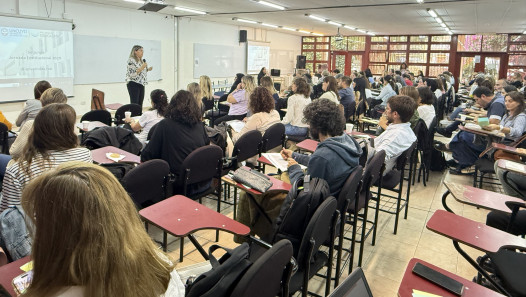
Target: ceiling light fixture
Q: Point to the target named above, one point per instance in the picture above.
(290, 29)
(189, 10)
(317, 34)
(360, 30)
(443, 25)
(271, 5)
(303, 31)
(244, 21)
(439, 20)
(371, 34)
(316, 18)
(334, 23)
(420, 1)
(269, 25)
(349, 27)
(524, 32)
(432, 13)
(135, 1)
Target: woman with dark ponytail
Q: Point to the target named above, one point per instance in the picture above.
(148, 119)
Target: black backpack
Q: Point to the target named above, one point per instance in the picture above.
(225, 274)
(438, 162)
(119, 169)
(297, 210)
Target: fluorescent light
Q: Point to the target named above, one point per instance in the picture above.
(303, 31)
(432, 13)
(290, 29)
(443, 25)
(371, 33)
(189, 10)
(449, 32)
(272, 5)
(269, 25)
(246, 21)
(317, 34)
(439, 20)
(135, 1)
(316, 18)
(524, 32)
(334, 23)
(360, 30)
(420, 1)
(349, 27)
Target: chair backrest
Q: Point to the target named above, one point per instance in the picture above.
(350, 189)
(267, 275)
(401, 161)
(3, 138)
(248, 145)
(355, 285)
(147, 182)
(273, 137)
(100, 115)
(373, 170)
(136, 110)
(317, 231)
(202, 164)
(421, 133)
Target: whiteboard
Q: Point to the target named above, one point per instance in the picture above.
(219, 60)
(103, 59)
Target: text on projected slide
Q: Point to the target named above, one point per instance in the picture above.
(31, 55)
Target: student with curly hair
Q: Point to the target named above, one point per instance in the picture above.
(176, 136)
(337, 153)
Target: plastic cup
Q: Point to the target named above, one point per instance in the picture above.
(85, 125)
(348, 128)
(127, 114)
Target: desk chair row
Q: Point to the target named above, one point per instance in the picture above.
(104, 116)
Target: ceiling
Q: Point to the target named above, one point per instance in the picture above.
(381, 17)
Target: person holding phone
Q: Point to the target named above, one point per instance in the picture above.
(136, 75)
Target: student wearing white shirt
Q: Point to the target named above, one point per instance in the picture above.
(330, 87)
(152, 116)
(426, 110)
(89, 240)
(293, 119)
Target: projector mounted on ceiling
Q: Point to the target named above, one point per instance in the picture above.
(153, 5)
(339, 36)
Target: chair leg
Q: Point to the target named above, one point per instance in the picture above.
(353, 241)
(364, 228)
(397, 211)
(181, 252)
(376, 213)
(340, 251)
(235, 203)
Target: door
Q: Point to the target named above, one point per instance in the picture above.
(469, 63)
(346, 61)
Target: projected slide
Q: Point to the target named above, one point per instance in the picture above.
(257, 58)
(29, 55)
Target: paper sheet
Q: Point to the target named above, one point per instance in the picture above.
(278, 161)
(236, 125)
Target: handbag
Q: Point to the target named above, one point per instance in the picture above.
(253, 179)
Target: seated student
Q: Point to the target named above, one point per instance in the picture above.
(5, 121)
(177, 135)
(398, 136)
(347, 98)
(513, 124)
(407, 79)
(268, 84)
(194, 88)
(89, 240)
(52, 142)
(153, 116)
(337, 153)
(293, 119)
(387, 92)
(49, 96)
(239, 101)
(330, 87)
(465, 150)
(425, 109)
(407, 91)
(501, 220)
(207, 95)
(32, 106)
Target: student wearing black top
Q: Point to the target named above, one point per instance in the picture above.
(175, 137)
(261, 74)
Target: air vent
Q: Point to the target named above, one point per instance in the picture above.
(152, 6)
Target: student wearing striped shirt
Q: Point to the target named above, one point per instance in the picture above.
(53, 141)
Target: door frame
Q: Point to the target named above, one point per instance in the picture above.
(348, 60)
(479, 67)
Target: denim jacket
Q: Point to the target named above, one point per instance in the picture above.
(14, 236)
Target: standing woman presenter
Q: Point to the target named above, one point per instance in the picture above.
(136, 75)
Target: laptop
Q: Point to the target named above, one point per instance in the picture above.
(355, 285)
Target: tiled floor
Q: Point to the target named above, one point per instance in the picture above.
(384, 263)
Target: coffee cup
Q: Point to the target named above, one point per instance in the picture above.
(348, 128)
(85, 125)
(127, 114)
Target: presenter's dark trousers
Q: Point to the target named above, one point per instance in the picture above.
(136, 92)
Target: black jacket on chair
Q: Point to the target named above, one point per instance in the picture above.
(112, 136)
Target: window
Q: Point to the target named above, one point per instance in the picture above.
(396, 57)
(512, 71)
(309, 39)
(518, 48)
(322, 56)
(379, 39)
(494, 43)
(436, 70)
(469, 43)
(415, 68)
(356, 62)
(377, 69)
(309, 55)
(356, 43)
(419, 39)
(322, 39)
(442, 38)
(398, 39)
(378, 57)
(308, 46)
(439, 58)
(517, 38)
(339, 44)
(440, 47)
(418, 47)
(398, 47)
(378, 47)
(322, 46)
(517, 60)
(418, 58)
(310, 66)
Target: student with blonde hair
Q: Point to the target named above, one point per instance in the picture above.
(207, 94)
(194, 88)
(239, 100)
(267, 83)
(89, 240)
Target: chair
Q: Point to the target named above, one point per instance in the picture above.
(273, 137)
(269, 275)
(136, 110)
(394, 181)
(509, 267)
(484, 167)
(100, 115)
(355, 285)
(146, 183)
(4, 134)
(310, 259)
(423, 145)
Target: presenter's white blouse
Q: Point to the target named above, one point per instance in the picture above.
(131, 74)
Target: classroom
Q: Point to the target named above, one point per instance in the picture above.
(204, 123)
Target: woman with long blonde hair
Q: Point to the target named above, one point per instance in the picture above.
(194, 88)
(89, 240)
(207, 95)
(268, 84)
(238, 100)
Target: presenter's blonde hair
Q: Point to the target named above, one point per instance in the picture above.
(133, 50)
(88, 234)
